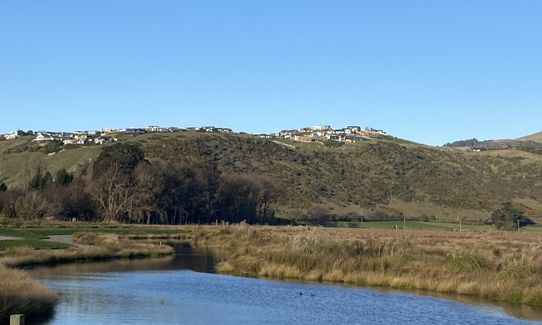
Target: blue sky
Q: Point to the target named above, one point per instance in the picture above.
(429, 71)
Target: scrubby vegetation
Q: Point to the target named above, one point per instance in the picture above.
(509, 218)
(204, 178)
(496, 266)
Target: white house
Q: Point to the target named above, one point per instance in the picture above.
(155, 128)
(14, 135)
(321, 128)
(46, 136)
(109, 130)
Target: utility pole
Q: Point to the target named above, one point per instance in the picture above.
(518, 225)
(404, 222)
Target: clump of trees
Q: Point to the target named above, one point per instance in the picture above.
(121, 186)
(509, 217)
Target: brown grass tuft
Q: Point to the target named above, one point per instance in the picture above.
(20, 294)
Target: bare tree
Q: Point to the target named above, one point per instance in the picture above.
(113, 195)
(32, 206)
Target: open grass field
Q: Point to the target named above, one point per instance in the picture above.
(422, 225)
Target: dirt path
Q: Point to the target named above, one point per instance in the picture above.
(64, 239)
(9, 238)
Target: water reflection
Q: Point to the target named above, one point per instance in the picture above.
(185, 258)
(162, 291)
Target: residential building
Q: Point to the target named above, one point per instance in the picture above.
(46, 136)
(15, 134)
(321, 128)
(134, 131)
(109, 130)
(154, 128)
(304, 138)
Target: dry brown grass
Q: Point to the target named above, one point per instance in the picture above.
(97, 246)
(20, 294)
(496, 266)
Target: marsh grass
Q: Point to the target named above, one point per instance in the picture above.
(93, 246)
(497, 266)
(19, 293)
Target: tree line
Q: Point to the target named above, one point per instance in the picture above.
(122, 186)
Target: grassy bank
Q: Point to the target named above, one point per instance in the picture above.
(92, 246)
(19, 293)
(35, 235)
(497, 266)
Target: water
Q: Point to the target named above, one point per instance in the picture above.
(180, 291)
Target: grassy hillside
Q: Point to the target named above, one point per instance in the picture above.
(19, 157)
(377, 178)
(537, 137)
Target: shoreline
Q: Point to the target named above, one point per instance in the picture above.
(22, 294)
(495, 267)
(454, 264)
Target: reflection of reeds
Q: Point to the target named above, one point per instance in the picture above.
(19, 293)
(496, 266)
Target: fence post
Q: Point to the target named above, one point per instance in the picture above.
(16, 320)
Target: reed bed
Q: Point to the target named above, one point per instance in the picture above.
(19, 293)
(497, 266)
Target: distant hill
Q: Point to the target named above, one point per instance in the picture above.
(385, 178)
(537, 137)
(522, 144)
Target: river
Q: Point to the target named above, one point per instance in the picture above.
(183, 290)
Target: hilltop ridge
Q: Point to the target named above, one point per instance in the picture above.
(377, 178)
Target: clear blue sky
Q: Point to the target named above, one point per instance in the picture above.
(430, 71)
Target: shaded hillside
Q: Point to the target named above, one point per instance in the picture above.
(379, 178)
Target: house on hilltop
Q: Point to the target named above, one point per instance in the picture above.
(46, 136)
(134, 131)
(321, 128)
(154, 129)
(15, 134)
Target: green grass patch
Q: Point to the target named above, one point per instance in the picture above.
(35, 237)
(414, 225)
(33, 243)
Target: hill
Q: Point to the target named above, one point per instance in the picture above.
(537, 137)
(375, 178)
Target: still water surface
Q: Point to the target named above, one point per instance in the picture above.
(181, 290)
